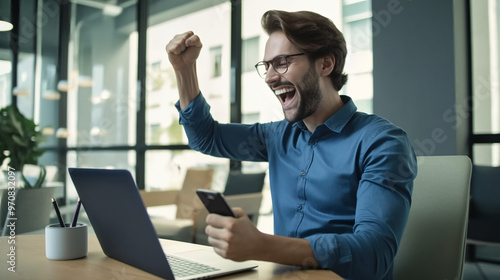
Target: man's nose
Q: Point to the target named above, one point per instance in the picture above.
(271, 76)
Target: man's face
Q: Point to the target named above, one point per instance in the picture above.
(297, 89)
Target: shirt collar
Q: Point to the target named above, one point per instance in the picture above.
(339, 120)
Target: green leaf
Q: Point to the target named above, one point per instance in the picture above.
(20, 137)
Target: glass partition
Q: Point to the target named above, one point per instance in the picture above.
(26, 55)
(486, 154)
(88, 158)
(5, 78)
(166, 169)
(47, 95)
(5, 59)
(102, 85)
(485, 25)
(210, 20)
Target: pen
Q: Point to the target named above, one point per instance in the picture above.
(75, 216)
(54, 202)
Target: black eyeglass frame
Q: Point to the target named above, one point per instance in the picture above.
(272, 62)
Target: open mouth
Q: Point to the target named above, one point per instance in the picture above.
(286, 95)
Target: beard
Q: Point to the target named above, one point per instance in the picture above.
(310, 97)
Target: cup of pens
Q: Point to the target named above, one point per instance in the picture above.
(66, 241)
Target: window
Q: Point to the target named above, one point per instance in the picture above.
(102, 94)
(101, 89)
(216, 61)
(250, 50)
(97, 159)
(5, 58)
(485, 18)
(213, 65)
(5, 78)
(165, 168)
(359, 61)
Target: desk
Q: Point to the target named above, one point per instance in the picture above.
(31, 263)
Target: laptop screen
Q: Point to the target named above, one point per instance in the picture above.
(119, 218)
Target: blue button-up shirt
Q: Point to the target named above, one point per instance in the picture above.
(346, 187)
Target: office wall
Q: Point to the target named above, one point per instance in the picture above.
(420, 71)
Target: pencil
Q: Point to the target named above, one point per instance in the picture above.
(75, 216)
(54, 202)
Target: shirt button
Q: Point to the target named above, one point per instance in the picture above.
(299, 208)
(302, 173)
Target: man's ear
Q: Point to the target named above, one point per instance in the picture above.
(327, 64)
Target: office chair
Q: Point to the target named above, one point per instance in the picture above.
(484, 214)
(181, 228)
(433, 244)
(32, 209)
(241, 183)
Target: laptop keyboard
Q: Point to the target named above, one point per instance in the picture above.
(182, 268)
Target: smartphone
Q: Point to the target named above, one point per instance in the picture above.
(215, 202)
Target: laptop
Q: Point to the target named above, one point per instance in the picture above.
(121, 223)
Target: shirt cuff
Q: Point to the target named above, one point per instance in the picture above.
(195, 108)
(330, 253)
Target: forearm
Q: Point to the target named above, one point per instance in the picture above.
(183, 50)
(187, 84)
(286, 250)
(234, 141)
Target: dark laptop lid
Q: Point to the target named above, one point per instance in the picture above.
(120, 219)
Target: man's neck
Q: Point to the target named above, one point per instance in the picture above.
(328, 106)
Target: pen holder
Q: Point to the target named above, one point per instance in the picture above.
(66, 243)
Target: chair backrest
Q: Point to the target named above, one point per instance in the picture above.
(485, 191)
(159, 197)
(241, 183)
(32, 209)
(433, 245)
(249, 202)
(484, 214)
(188, 201)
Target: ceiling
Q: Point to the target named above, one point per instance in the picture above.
(51, 23)
(160, 10)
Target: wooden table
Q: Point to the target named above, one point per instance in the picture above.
(31, 263)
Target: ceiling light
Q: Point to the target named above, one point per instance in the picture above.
(62, 133)
(111, 10)
(48, 130)
(51, 95)
(5, 25)
(20, 91)
(84, 81)
(63, 86)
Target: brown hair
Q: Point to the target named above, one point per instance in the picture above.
(313, 34)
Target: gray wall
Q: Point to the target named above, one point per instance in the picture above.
(420, 71)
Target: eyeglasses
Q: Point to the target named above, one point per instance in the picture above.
(279, 63)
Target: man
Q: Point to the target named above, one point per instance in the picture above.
(341, 180)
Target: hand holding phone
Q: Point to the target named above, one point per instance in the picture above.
(215, 202)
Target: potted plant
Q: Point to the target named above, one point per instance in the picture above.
(19, 140)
